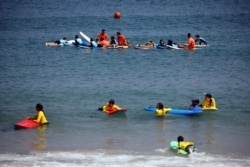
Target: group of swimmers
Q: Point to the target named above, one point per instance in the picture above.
(104, 41)
(191, 44)
(208, 102)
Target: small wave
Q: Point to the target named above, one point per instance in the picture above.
(109, 158)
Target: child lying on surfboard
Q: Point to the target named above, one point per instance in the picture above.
(186, 145)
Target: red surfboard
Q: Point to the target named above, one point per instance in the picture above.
(115, 111)
(26, 123)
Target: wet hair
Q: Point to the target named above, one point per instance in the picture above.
(39, 106)
(189, 35)
(64, 38)
(103, 30)
(159, 106)
(197, 36)
(111, 101)
(209, 96)
(195, 101)
(77, 36)
(170, 42)
(180, 138)
(118, 33)
(112, 37)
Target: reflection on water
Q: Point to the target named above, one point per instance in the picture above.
(40, 140)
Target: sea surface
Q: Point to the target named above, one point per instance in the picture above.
(72, 83)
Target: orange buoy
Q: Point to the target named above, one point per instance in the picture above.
(117, 15)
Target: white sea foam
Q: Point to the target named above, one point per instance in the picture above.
(122, 159)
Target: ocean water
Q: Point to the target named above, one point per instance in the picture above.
(72, 83)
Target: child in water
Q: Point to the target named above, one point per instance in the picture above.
(40, 116)
(209, 101)
(186, 145)
(160, 110)
(110, 106)
(195, 105)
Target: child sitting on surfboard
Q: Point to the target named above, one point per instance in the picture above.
(160, 110)
(110, 106)
(186, 145)
(208, 102)
(40, 116)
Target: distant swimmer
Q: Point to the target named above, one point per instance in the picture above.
(103, 35)
(62, 42)
(80, 42)
(103, 42)
(171, 45)
(161, 44)
(148, 45)
(122, 39)
(199, 40)
(191, 43)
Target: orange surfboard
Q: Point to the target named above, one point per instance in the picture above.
(114, 111)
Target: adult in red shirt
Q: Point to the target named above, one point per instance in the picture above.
(121, 39)
(191, 43)
(103, 35)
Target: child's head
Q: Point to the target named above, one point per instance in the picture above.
(111, 102)
(208, 95)
(159, 106)
(161, 41)
(195, 102)
(180, 138)
(39, 107)
(170, 42)
(197, 36)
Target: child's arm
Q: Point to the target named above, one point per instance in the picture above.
(39, 117)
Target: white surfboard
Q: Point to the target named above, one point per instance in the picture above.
(85, 36)
(172, 47)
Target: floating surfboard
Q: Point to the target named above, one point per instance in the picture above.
(118, 47)
(172, 47)
(115, 111)
(26, 123)
(201, 46)
(174, 146)
(160, 47)
(210, 109)
(153, 109)
(177, 111)
(138, 46)
(85, 36)
(67, 43)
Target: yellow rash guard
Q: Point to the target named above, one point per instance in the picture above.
(40, 118)
(207, 104)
